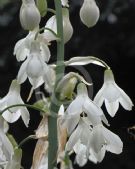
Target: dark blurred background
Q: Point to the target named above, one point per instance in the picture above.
(112, 39)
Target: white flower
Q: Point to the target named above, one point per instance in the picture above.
(34, 67)
(13, 97)
(6, 149)
(112, 94)
(79, 135)
(22, 47)
(29, 15)
(83, 106)
(52, 24)
(89, 13)
(103, 140)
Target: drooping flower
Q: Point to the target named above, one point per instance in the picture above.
(13, 97)
(79, 135)
(112, 94)
(89, 13)
(34, 67)
(52, 24)
(23, 46)
(103, 140)
(29, 15)
(83, 106)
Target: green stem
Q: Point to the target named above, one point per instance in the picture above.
(26, 140)
(51, 10)
(55, 104)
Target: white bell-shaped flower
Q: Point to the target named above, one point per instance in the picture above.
(103, 140)
(79, 135)
(89, 13)
(112, 94)
(52, 24)
(22, 47)
(29, 15)
(83, 106)
(12, 98)
(34, 67)
(6, 150)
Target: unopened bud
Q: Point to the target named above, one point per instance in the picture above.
(42, 7)
(29, 15)
(89, 13)
(67, 27)
(68, 88)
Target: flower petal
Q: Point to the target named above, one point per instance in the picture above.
(11, 117)
(76, 106)
(99, 97)
(25, 116)
(114, 143)
(124, 100)
(112, 107)
(22, 76)
(73, 139)
(45, 52)
(97, 139)
(81, 157)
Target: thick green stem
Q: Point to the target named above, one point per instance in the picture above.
(55, 104)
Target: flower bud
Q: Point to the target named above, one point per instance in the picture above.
(67, 27)
(68, 88)
(29, 15)
(42, 7)
(89, 13)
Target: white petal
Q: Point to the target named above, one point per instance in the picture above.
(36, 82)
(45, 52)
(81, 157)
(20, 50)
(114, 143)
(97, 139)
(111, 93)
(22, 76)
(6, 145)
(112, 107)
(73, 139)
(3, 102)
(25, 116)
(70, 122)
(125, 100)
(34, 67)
(61, 110)
(65, 3)
(76, 106)
(11, 117)
(92, 107)
(51, 24)
(99, 97)
(67, 27)
(97, 157)
(83, 60)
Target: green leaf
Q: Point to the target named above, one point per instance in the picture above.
(42, 7)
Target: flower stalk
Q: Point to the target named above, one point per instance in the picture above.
(52, 122)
